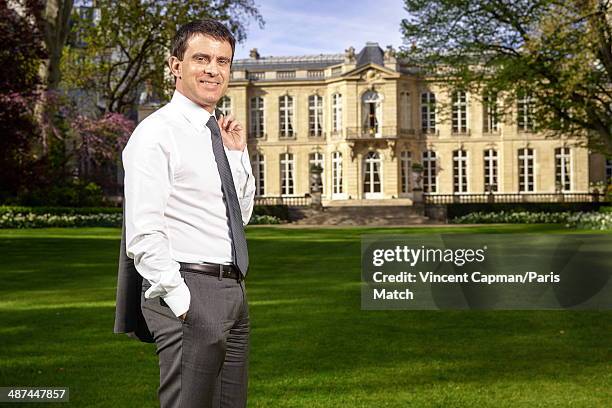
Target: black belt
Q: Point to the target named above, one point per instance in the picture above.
(222, 271)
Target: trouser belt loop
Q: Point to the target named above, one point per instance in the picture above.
(220, 272)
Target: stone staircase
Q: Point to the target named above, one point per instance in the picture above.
(370, 215)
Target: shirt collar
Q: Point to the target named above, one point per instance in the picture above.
(194, 113)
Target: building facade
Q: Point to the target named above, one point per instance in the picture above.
(366, 118)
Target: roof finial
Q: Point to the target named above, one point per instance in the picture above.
(253, 53)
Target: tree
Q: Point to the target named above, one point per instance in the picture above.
(20, 54)
(98, 144)
(118, 47)
(559, 52)
(53, 21)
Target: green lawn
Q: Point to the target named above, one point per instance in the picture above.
(312, 346)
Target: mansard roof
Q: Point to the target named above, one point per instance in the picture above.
(320, 61)
(371, 53)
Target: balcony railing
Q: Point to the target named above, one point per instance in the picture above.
(461, 132)
(254, 76)
(382, 132)
(513, 198)
(283, 135)
(303, 201)
(315, 74)
(314, 135)
(285, 75)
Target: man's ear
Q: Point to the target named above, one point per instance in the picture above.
(175, 66)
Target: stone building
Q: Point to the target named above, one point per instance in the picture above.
(367, 117)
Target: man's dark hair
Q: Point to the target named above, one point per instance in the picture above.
(207, 26)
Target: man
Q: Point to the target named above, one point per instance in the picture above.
(188, 194)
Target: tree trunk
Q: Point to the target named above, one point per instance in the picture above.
(55, 28)
(53, 23)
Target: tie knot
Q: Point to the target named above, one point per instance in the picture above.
(212, 123)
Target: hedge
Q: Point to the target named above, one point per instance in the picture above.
(581, 220)
(459, 209)
(18, 219)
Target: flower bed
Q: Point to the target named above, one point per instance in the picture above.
(18, 219)
(9, 219)
(581, 220)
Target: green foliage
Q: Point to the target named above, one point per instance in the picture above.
(46, 217)
(21, 53)
(263, 219)
(559, 52)
(9, 219)
(460, 209)
(582, 220)
(75, 193)
(58, 310)
(279, 211)
(121, 46)
(4, 209)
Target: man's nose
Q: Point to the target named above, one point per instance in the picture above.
(212, 68)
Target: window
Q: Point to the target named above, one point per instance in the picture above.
(459, 100)
(337, 112)
(286, 116)
(405, 111)
(563, 168)
(524, 108)
(372, 113)
(429, 171)
(428, 112)
(337, 173)
(257, 117)
(315, 115)
(490, 113)
(525, 164)
(490, 170)
(460, 179)
(225, 105)
(287, 165)
(371, 167)
(259, 171)
(315, 159)
(405, 171)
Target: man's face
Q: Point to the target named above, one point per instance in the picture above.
(203, 75)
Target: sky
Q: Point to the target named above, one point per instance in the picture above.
(298, 27)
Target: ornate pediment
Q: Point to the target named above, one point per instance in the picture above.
(372, 73)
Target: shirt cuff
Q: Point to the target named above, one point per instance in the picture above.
(179, 299)
(234, 156)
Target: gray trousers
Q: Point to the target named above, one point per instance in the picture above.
(203, 361)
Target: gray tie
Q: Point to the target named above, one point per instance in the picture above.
(239, 245)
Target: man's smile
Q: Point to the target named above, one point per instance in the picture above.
(215, 83)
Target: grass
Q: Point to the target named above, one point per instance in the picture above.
(311, 345)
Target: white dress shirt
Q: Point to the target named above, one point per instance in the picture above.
(174, 206)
